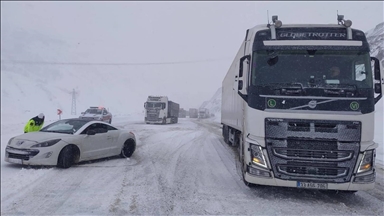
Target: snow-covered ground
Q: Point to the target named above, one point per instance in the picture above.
(178, 169)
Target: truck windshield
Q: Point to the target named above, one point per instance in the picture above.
(308, 66)
(155, 105)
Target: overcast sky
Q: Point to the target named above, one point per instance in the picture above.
(173, 31)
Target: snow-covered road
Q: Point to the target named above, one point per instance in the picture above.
(179, 169)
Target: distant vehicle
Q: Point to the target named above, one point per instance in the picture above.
(97, 113)
(158, 109)
(204, 113)
(182, 113)
(69, 141)
(193, 113)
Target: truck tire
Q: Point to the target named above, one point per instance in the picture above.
(243, 165)
(226, 134)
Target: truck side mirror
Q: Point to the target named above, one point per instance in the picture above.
(377, 78)
(241, 79)
(376, 68)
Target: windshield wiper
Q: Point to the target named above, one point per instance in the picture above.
(340, 89)
(287, 88)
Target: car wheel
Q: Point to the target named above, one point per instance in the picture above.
(66, 157)
(128, 149)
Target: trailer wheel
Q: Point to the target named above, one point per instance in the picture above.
(226, 135)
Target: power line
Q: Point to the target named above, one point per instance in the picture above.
(106, 64)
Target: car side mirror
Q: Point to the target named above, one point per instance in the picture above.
(91, 132)
(378, 88)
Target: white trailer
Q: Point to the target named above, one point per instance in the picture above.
(295, 122)
(158, 109)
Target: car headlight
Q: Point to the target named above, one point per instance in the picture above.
(257, 156)
(46, 143)
(366, 163)
(10, 141)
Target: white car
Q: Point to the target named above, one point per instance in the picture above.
(97, 113)
(69, 141)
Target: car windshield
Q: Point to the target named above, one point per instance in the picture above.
(329, 67)
(69, 126)
(93, 111)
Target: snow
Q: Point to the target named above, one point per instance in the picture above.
(178, 169)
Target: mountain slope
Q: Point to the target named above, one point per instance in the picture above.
(375, 39)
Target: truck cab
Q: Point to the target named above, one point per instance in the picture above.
(298, 101)
(160, 110)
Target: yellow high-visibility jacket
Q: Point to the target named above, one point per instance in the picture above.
(34, 124)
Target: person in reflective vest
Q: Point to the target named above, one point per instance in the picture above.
(34, 124)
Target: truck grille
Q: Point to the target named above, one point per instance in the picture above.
(312, 149)
(153, 116)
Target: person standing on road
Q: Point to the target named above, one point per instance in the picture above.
(35, 123)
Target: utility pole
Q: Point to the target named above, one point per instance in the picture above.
(73, 110)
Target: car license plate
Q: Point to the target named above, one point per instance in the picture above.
(14, 160)
(312, 185)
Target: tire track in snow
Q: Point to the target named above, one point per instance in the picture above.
(44, 194)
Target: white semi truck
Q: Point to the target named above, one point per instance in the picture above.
(203, 113)
(299, 102)
(160, 110)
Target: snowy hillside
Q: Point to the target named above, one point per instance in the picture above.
(214, 104)
(375, 38)
(28, 89)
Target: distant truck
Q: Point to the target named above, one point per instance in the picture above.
(193, 113)
(204, 113)
(182, 113)
(160, 110)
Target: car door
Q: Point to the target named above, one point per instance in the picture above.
(114, 145)
(93, 146)
(105, 115)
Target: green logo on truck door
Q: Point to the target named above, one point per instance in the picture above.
(271, 103)
(354, 105)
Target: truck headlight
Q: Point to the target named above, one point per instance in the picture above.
(257, 156)
(366, 163)
(46, 143)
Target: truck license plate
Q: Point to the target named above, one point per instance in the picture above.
(14, 160)
(312, 185)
